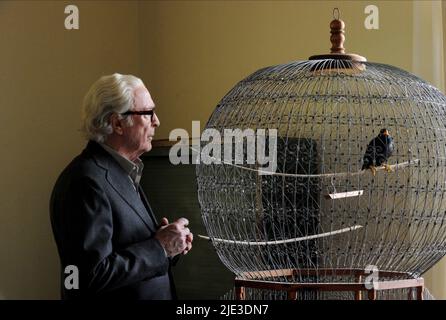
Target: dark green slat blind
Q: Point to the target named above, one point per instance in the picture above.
(172, 192)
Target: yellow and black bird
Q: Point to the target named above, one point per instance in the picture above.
(378, 152)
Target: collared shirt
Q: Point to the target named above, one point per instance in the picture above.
(133, 169)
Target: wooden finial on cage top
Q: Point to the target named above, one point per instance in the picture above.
(337, 39)
(337, 33)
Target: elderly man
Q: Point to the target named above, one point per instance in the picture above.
(102, 222)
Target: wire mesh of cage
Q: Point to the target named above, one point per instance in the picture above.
(325, 121)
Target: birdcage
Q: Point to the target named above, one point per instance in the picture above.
(326, 223)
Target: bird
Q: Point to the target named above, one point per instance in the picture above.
(378, 152)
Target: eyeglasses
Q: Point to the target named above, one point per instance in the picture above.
(141, 113)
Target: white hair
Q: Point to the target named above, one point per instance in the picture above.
(110, 94)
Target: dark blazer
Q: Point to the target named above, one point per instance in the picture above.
(105, 228)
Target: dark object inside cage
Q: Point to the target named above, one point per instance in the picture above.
(290, 206)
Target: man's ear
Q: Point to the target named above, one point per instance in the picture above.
(117, 124)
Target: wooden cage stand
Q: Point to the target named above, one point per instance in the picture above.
(257, 280)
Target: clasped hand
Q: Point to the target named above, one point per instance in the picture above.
(175, 237)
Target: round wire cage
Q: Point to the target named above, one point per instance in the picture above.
(322, 209)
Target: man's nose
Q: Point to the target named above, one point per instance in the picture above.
(156, 121)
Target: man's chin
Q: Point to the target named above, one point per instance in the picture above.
(148, 147)
(143, 149)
